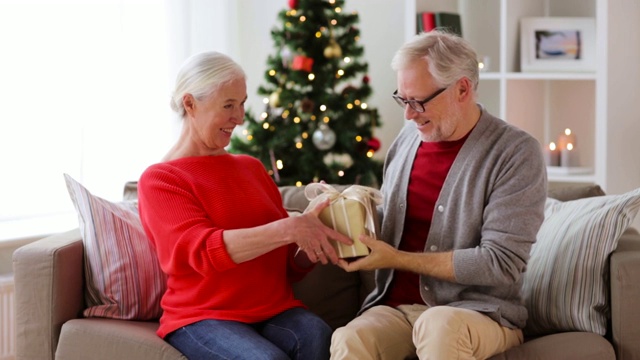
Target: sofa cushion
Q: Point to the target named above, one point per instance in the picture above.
(566, 282)
(562, 346)
(107, 339)
(122, 275)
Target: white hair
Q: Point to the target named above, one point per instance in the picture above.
(201, 75)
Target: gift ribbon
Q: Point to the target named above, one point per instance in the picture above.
(367, 196)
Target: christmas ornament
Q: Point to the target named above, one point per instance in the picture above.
(301, 62)
(343, 160)
(324, 138)
(293, 4)
(333, 50)
(306, 105)
(365, 79)
(274, 99)
(286, 57)
(348, 90)
(374, 144)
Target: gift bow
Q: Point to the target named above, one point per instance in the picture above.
(318, 192)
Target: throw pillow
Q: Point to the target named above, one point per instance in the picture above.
(566, 285)
(122, 274)
(575, 192)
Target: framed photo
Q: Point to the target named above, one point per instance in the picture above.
(557, 44)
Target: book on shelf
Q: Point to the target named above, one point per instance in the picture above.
(427, 21)
(449, 21)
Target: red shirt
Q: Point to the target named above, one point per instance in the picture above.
(185, 207)
(430, 168)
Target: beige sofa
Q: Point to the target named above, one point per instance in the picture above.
(50, 300)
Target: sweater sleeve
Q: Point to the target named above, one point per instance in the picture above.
(178, 226)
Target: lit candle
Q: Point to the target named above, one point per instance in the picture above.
(567, 138)
(566, 156)
(552, 155)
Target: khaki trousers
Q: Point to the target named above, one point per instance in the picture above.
(440, 332)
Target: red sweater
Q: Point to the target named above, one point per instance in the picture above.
(185, 206)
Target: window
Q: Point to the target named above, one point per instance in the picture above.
(84, 90)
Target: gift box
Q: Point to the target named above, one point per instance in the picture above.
(352, 212)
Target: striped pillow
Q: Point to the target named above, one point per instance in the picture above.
(566, 284)
(122, 274)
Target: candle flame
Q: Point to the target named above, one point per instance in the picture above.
(567, 131)
(552, 146)
(569, 146)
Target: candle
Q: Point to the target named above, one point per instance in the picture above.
(552, 155)
(567, 156)
(567, 138)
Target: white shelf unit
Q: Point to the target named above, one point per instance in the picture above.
(543, 104)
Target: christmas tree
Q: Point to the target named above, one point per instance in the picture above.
(316, 124)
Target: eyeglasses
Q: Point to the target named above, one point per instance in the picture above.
(417, 105)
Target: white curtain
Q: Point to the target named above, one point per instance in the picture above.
(84, 90)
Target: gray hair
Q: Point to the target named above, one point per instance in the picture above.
(449, 57)
(201, 75)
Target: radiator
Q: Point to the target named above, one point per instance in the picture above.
(7, 319)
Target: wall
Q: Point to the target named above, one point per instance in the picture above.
(623, 167)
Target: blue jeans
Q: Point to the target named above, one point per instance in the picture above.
(294, 334)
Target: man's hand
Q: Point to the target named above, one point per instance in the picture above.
(382, 255)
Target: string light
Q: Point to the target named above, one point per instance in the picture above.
(303, 18)
(298, 183)
(349, 106)
(305, 135)
(341, 173)
(279, 164)
(347, 60)
(296, 119)
(323, 107)
(326, 119)
(364, 105)
(318, 34)
(338, 9)
(272, 72)
(264, 115)
(370, 153)
(265, 125)
(311, 77)
(358, 138)
(299, 145)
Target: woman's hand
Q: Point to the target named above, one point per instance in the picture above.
(312, 236)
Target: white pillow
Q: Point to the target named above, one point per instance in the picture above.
(566, 284)
(122, 275)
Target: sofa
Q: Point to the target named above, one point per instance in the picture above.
(50, 299)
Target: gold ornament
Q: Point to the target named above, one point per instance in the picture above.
(333, 50)
(274, 98)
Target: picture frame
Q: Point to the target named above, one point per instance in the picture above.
(562, 44)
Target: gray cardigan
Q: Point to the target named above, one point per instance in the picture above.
(488, 212)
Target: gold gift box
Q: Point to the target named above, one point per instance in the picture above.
(352, 213)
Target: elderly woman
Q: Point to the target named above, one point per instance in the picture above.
(222, 236)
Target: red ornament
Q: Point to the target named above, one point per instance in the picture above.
(365, 79)
(374, 144)
(293, 4)
(301, 62)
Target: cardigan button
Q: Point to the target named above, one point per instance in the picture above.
(433, 248)
(440, 208)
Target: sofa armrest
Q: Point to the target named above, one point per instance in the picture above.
(625, 296)
(48, 292)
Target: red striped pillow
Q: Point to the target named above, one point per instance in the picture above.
(122, 274)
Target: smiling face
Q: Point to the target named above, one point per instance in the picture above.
(211, 120)
(442, 114)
